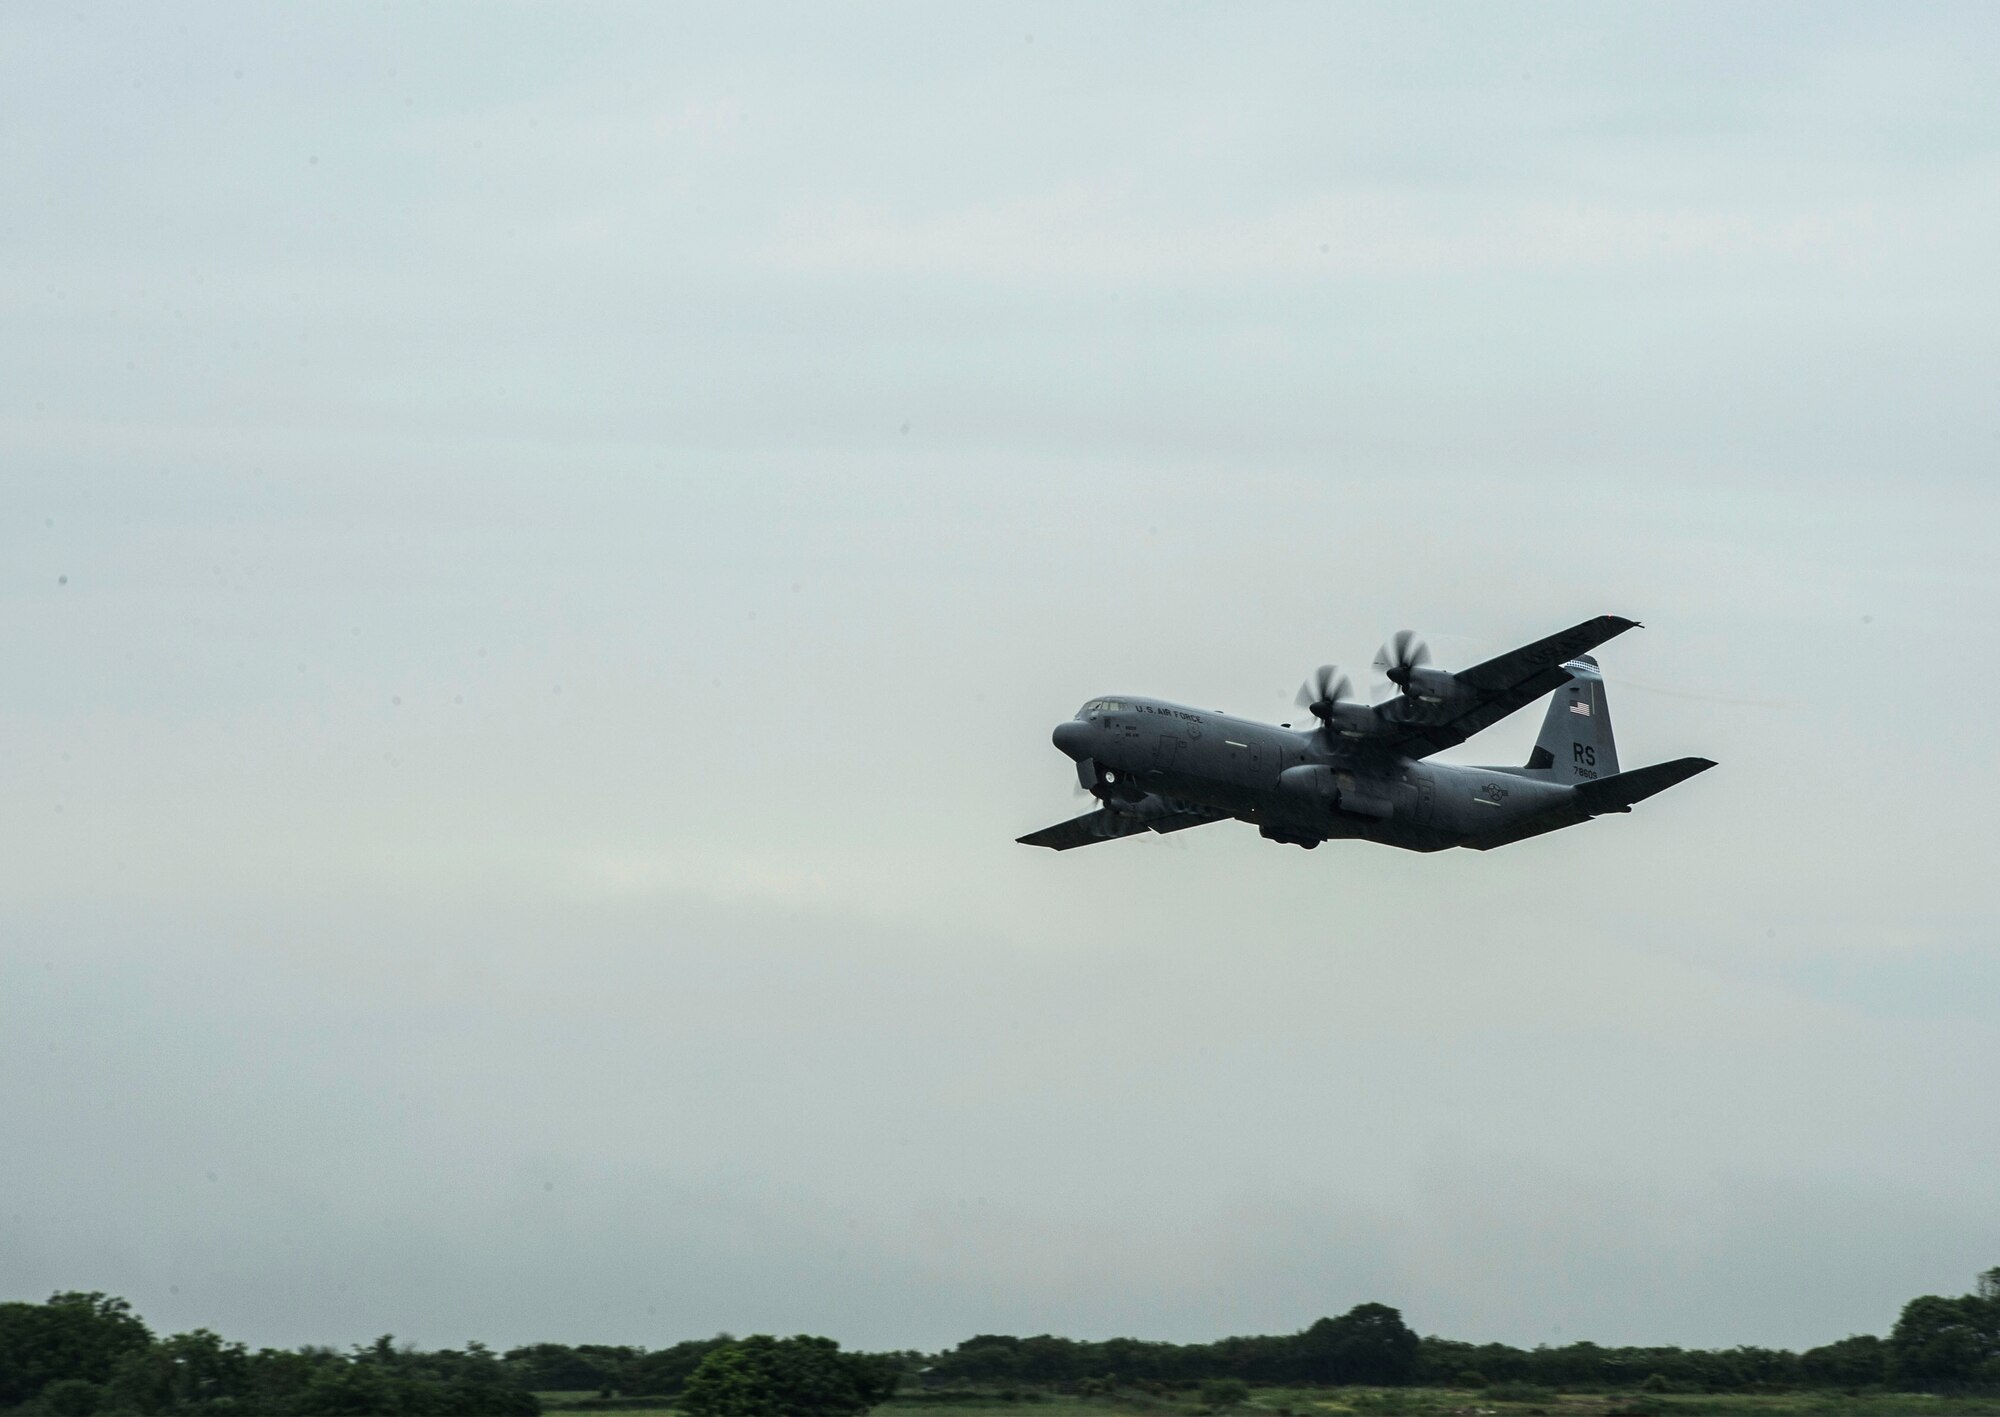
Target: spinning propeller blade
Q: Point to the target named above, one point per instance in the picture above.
(1400, 655)
(1327, 687)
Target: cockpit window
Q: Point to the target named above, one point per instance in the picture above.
(1102, 706)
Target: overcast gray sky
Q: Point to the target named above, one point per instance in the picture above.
(543, 545)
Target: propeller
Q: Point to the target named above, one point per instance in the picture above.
(1400, 655)
(1326, 688)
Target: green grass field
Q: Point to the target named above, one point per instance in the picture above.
(1400, 1402)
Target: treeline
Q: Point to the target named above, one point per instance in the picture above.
(1938, 1344)
(80, 1355)
(1369, 1344)
(619, 1370)
(86, 1355)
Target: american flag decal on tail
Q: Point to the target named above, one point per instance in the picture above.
(1581, 706)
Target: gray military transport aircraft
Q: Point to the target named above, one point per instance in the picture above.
(1161, 767)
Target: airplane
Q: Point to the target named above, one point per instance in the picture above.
(1362, 771)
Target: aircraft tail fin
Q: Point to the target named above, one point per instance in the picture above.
(1575, 745)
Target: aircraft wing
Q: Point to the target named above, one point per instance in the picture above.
(1106, 825)
(1500, 686)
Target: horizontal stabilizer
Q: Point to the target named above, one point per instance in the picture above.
(1618, 792)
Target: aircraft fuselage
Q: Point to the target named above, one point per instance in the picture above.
(1294, 785)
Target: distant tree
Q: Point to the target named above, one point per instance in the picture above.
(277, 1377)
(728, 1384)
(554, 1367)
(763, 1376)
(1369, 1343)
(184, 1373)
(1940, 1344)
(74, 1335)
(347, 1389)
(372, 1385)
(665, 1371)
(558, 1367)
(1048, 1359)
(71, 1397)
(984, 1358)
(1861, 1360)
(1440, 1362)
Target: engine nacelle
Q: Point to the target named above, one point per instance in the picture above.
(1434, 686)
(1350, 720)
(1311, 783)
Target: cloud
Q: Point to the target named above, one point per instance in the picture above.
(1088, 234)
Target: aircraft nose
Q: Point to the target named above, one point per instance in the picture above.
(1072, 737)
